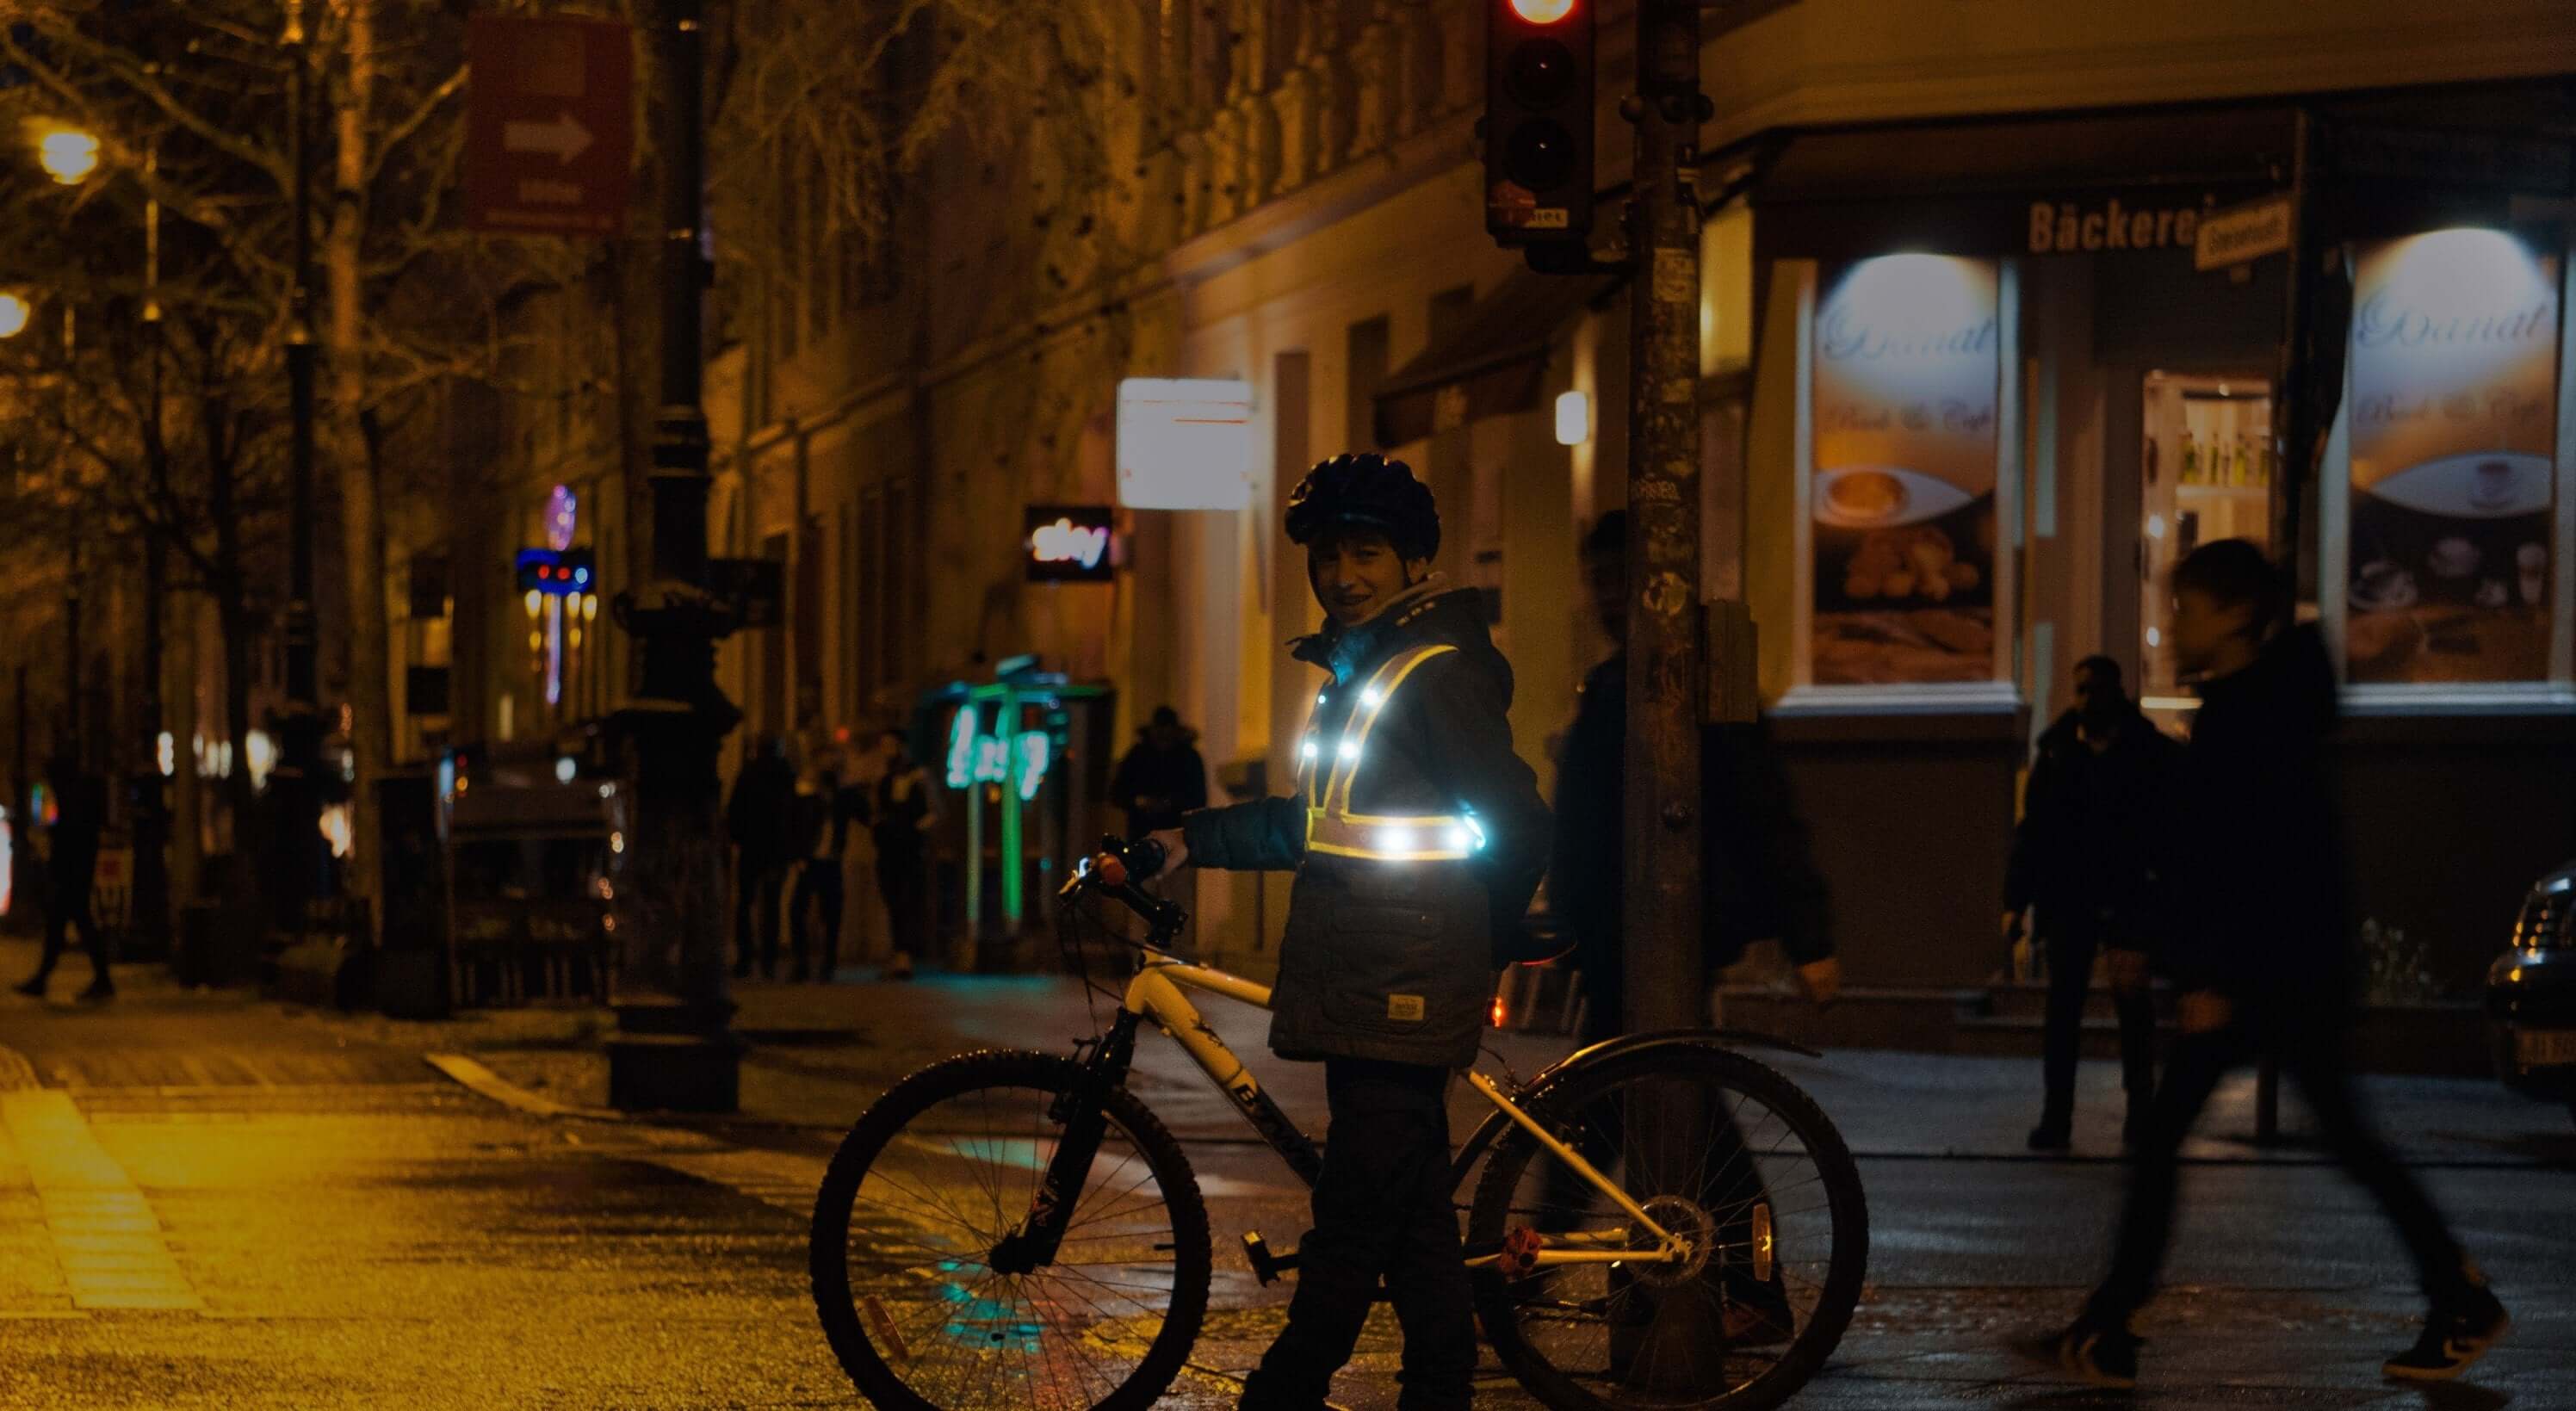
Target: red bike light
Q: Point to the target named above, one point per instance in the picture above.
(1542, 11)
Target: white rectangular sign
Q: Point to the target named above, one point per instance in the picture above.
(1184, 443)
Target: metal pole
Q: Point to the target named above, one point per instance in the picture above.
(1664, 979)
(676, 1048)
(295, 780)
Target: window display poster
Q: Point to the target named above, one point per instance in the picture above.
(2454, 417)
(1906, 383)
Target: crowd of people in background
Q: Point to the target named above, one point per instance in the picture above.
(791, 821)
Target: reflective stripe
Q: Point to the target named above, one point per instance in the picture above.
(1331, 827)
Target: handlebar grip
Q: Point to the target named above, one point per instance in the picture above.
(1144, 858)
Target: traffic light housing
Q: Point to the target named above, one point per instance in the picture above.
(556, 572)
(1538, 121)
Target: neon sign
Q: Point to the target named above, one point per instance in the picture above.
(1070, 544)
(977, 758)
(1066, 542)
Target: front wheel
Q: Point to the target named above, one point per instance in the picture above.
(938, 1174)
(1716, 1149)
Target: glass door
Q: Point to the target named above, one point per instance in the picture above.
(2207, 475)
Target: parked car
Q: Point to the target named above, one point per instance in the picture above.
(2531, 995)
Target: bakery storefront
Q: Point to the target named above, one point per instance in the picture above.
(2008, 371)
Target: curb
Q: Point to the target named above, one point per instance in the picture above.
(492, 1085)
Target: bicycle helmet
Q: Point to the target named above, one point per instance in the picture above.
(1370, 491)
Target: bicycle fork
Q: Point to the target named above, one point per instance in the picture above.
(1081, 1120)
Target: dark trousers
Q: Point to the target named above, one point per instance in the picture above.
(2071, 950)
(1382, 1211)
(757, 883)
(69, 908)
(818, 891)
(907, 896)
(2308, 1046)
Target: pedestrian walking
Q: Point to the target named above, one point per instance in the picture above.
(900, 820)
(825, 809)
(2094, 814)
(759, 819)
(1161, 777)
(71, 866)
(1759, 881)
(2264, 959)
(1417, 843)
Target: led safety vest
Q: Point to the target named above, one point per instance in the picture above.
(1331, 827)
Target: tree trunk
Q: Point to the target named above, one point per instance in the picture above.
(362, 520)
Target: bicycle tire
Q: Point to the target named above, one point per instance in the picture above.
(885, 1121)
(1848, 1262)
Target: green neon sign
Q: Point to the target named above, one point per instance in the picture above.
(977, 758)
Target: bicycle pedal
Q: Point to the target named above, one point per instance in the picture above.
(1266, 1266)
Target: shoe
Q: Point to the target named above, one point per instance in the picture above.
(901, 968)
(2052, 1136)
(32, 989)
(100, 990)
(2089, 1351)
(2457, 1333)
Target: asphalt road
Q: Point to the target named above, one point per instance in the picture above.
(213, 1202)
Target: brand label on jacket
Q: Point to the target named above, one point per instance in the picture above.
(1404, 1008)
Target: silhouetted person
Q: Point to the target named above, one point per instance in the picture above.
(1161, 777)
(80, 807)
(2264, 957)
(2094, 813)
(760, 819)
(899, 821)
(824, 818)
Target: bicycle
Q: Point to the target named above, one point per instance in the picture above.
(1014, 1228)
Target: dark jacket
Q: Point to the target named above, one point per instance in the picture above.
(761, 815)
(2258, 854)
(2092, 826)
(1758, 881)
(902, 801)
(1395, 960)
(80, 816)
(1154, 786)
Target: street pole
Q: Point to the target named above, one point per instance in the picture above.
(295, 781)
(675, 1047)
(1666, 986)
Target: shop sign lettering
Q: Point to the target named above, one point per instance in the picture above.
(2086, 227)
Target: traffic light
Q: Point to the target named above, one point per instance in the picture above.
(1538, 120)
(555, 572)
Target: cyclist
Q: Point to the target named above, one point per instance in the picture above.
(1418, 840)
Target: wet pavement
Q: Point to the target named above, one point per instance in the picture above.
(210, 1200)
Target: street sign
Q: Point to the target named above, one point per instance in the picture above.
(549, 125)
(2242, 233)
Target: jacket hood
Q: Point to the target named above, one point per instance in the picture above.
(1429, 611)
(2292, 682)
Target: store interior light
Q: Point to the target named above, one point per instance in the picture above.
(1573, 418)
(1543, 11)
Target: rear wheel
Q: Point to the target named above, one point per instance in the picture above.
(935, 1176)
(1717, 1149)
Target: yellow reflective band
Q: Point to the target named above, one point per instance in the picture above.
(1389, 839)
(1355, 733)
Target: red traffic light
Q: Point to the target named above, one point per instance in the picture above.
(1542, 11)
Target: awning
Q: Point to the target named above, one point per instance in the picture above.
(1493, 363)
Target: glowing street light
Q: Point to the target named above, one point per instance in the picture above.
(14, 314)
(68, 154)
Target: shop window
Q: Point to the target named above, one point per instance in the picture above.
(1906, 473)
(2449, 469)
(2206, 474)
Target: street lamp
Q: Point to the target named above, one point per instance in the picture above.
(14, 314)
(68, 154)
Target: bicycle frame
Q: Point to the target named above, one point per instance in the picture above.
(1155, 993)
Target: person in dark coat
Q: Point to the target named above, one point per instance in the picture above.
(899, 822)
(1759, 880)
(824, 816)
(2264, 957)
(761, 819)
(2094, 814)
(1162, 777)
(1418, 841)
(70, 869)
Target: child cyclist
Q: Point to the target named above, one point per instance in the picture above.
(1418, 837)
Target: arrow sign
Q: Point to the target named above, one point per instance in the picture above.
(549, 124)
(564, 138)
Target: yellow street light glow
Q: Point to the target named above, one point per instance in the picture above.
(14, 314)
(68, 154)
(1543, 11)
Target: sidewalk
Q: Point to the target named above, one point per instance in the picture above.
(817, 1055)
